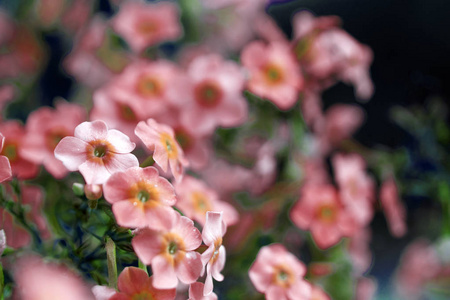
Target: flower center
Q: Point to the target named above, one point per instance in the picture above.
(149, 86)
(273, 74)
(100, 150)
(200, 202)
(126, 113)
(172, 248)
(327, 213)
(283, 276)
(143, 196)
(147, 27)
(143, 296)
(208, 94)
(170, 145)
(10, 151)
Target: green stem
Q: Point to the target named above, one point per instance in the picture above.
(111, 259)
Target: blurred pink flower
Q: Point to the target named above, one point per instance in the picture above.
(96, 151)
(359, 250)
(39, 280)
(214, 257)
(365, 288)
(140, 198)
(134, 284)
(160, 139)
(146, 24)
(274, 73)
(317, 293)
(279, 274)
(195, 199)
(15, 137)
(196, 292)
(5, 167)
(46, 127)
(210, 94)
(356, 187)
(170, 252)
(320, 210)
(393, 208)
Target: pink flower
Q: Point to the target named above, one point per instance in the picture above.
(318, 294)
(279, 274)
(195, 199)
(320, 210)
(15, 137)
(393, 208)
(39, 280)
(140, 198)
(365, 288)
(213, 257)
(96, 152)
(45, 129)
(143, 24)
(5, 167)
(211, 95)
(160, 139)
(356, 187)
(196, 292)
(134, 283)
(171, 252)
(274, 73)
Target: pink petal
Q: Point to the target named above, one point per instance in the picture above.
(93, 172)
(219, 264)
(147, 245)
(213, 227)
(121, 162)
(209, 286)
(118, 185)
(91, 131)
(5, 169)
(132, 280)
(191, 236)
(129, 215)
(275, 292)
(72, 152)
(120, 141)
(159, 217)
(300, 290)
(164, 276)
(190, 268)
(103, 292)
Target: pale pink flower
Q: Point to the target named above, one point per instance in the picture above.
(5, 167)
(46, 127)
(39, 280)
(170, 252)
(96, 152)
(143, 24)
(304, 23)
(134, 283)
(196, 292)
(365, 288)
(103, 292)
(320, 210)
(160, 139)
(356, 187)
(274, 73)
(418, 265)
(14, 138)
(279, 274)
(195, 199)
(140, 198)
(318, 293)
(393, 208)
(214, 257)
(210, 94)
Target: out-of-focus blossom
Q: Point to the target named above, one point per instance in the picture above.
(48, 11)
(160, 139)
(170, 252)
(365, 288)
(320, 210)
(356, 187)
(274, 73)
(46, 127)
(143, 24)
(393, 208)
(210, 94)
(418, 265)
(140, 198)
(96, 151)
(76, 15)
(6, 95)
(195, 199)
(318, 293)
(39, 280)
(196, 292)
(214, 257)
(103, 292)
(279, 274)
(359, 250)
(134, 283)
(15, 137)
(5, 167)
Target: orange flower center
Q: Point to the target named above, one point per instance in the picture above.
(273, 74)
(144, 194)
(149, 86)
(200, 202)
(126, 113)
(283, 276)
(173, 248)
(100, 151)
(208, 94)
(147, 27)
(327, 213)
(217, 245)
(170, 145)
(10, 151)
